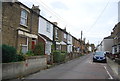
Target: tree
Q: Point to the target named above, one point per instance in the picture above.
(39, 49)
(93, 47)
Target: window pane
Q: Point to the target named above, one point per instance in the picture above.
(119, 48)
(48, 27)
(56, 33)
(23, 20)
(24, 14)
(64, 35)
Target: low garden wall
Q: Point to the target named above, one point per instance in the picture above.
(18, 69)
(114, 66)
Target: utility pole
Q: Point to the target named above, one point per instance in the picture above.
(81, 34)
(81, 42)
(84, 45)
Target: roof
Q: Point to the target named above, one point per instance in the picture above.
(63, 43)
(19, 3)
(57, 27)
(114, 45)
(109, 37)
(47, 38)
(75, 38)
(116, 25)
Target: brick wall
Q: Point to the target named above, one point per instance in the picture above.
(41, 40)
(10, 22)
(11, 14)
(59, 35)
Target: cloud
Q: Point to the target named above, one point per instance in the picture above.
(59, 5)
(80, 15)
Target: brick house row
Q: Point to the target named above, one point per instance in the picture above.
(116, 40)
(116, 35)
(19, 25)
(24, 27)
(112, 43)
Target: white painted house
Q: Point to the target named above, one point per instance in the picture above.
(106, 44)
(46, 31)
(69, 42)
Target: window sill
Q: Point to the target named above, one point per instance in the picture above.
(23, 25)
(48, 31)
(24, 45)
(56, 37)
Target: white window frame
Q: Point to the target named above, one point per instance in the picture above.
(25, 18)
(115, 49)
(56, 33)
(48, 27)
(69, 38)
(65, 35)
(118, 48)
(25, 44)
(48, 48)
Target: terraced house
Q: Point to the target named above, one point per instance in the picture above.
(69, 43)
(76, 45)
(116, 41)
(60, 38)
(64, 41)
(46, 35)
(20, 25)
(26, 28)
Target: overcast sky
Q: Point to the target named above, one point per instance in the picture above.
(96, 18)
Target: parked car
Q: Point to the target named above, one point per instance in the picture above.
(99, 57)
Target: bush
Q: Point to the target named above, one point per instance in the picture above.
(30, 53)
(9, 54)
(20, 58)
(63, 56)
(39, 49)
(63, 52)
(52, 47)
(58, 56)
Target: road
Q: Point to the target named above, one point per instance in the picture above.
(80, 68)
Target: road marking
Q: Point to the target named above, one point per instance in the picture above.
(90, 61)
(108, 73)
(103, 64)
(94, 63)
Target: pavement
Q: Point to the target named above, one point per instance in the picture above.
(80, 68)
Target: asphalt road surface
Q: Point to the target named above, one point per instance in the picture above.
(80, 68)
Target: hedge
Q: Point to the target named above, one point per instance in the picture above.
(9, 54)
(59, 57)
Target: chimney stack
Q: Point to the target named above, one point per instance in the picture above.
(36, 9)
(55, 23)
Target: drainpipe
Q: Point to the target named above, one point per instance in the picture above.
(54, 42)
(16, 39)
